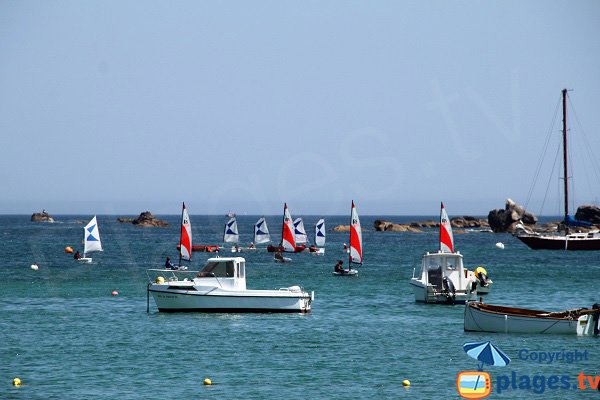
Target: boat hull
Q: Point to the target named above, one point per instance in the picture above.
(428, 294)
(560, 242)
(274, 249)
(514, 320)
(216, 300)
(351, 272)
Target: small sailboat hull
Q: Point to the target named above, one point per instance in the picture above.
(351, 272)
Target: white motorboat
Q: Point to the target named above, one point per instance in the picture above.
(480, 317)
(221, 287)
(443, 277)
(91, 240)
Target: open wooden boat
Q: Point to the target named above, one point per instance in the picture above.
(480, 317)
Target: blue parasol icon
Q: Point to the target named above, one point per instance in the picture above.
(486, 353)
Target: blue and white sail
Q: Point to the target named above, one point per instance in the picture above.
(231, 231)
(91, 237)
(320, 233)
(261, 232)
(299, 232)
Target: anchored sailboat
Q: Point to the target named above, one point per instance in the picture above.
(566, 240)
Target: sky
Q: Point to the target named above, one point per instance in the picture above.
(116, 107)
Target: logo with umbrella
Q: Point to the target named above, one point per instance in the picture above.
(478, 384)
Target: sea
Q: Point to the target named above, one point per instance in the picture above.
(66, 336)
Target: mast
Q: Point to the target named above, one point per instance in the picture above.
(565, 171)
(181, 233)
(441, 222)
(283, 225)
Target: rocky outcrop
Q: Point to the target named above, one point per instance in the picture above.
(589, 213)
(469, 222)
(457, 222)
(506, 220)
(41, 217)
(146, 219)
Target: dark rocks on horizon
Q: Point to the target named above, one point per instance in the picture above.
(146, 219)
(456, 222)
(41, 217)
(507, 219)
(589, 213)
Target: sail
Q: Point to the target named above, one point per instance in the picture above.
(446, 239)
(231, 231)
(91, 237)
(356, 255)
(185, 248)
(287, 231)
(299, 231)
(261, 232)
(320, 233)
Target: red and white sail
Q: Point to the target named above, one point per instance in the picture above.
(185, 248)
(356, 255)
(446, 239)
(288, 241)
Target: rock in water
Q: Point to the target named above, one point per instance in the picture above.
(507, 219)
(145, 219)
(589, 213)
(41, 217)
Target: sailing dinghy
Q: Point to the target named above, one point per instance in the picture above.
(231, 235)
(91, 240)
(356, 249)
(288, 238)
(319, 247)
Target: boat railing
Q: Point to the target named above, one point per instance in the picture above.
(170, 274)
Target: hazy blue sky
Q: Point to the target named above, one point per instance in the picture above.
(123, 106)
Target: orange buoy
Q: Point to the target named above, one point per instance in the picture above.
(68, 249)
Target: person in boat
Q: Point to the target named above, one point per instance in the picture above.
(339, 267)
(169, 264)
(278, 256)
(77, 255)
(251, 245)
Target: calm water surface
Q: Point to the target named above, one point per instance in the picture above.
(66, 337)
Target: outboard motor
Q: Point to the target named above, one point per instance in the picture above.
(482, 278)
(449, 290)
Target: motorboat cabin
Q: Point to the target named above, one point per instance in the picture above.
(444, 279)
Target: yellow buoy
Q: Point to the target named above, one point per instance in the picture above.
(406, 383)
(16, 382)
(207, 381)
(160, 280)
(68, 249)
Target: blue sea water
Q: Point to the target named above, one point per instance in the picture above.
(66, 337)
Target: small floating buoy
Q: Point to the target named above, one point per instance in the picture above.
(115, 293)
(160, 280)
(34, 267)
(68, 249)
(207, 381)
(16, 382)
(406, 383)
(500, 246)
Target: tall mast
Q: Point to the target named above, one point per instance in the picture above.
(566, 182)
(181, 234)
